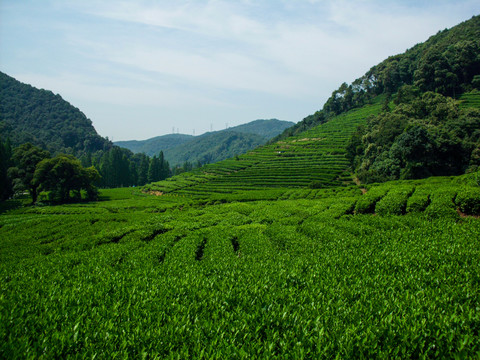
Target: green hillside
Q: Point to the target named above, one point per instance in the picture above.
(313, 158)
(447, 63)
(156, 144)
(213, 147)
(262, 127)
(38, 116)
(210, 147)
(398, 102)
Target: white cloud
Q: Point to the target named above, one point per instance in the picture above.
(214, 55)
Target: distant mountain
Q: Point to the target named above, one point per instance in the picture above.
(212, 146)
(266, 128)
(156, 144)
(28, 114)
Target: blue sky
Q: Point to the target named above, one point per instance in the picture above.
(142, 68)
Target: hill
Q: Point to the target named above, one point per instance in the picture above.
(212, 146)
(156, 144)
(447, 63)
(265, 128)
(313, 158)
(28, 114)
(318, 151)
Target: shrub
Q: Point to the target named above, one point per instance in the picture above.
(366, 204)
(442, 205)
(468, 201)
(418, 202)
(395, 202)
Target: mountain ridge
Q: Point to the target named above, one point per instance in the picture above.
(211, 146)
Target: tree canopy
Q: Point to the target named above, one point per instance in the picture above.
(25, 159)
(424, 136)
(63, 175)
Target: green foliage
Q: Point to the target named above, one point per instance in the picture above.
(442, 205)
(25, 160)
(172, 277)
(46, 120)
(429, 135)
(419, 200)
(366, 204)
(6, 186)
(395, 202)
(468, 201)
(64, 174)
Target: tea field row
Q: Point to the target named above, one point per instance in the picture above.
(269, 274)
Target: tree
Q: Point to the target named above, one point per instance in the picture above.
(25, 158)
(154, 169)
(5, 162)
(65, 174)
(164, 167)
(142, 169)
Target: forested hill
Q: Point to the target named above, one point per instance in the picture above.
(156, 144)
(448, 63)
(28, 114)
(212, 146)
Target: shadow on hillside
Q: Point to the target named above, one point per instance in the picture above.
(10, 205)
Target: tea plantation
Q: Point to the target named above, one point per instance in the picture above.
(316, 155)
(387, 271)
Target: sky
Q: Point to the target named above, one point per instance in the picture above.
(144, 68)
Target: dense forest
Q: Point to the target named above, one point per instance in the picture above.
(28, 114)
(115, 167)
(424, 135)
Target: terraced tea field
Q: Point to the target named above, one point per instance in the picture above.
(315, 155)
(274, 274)
(471, 99)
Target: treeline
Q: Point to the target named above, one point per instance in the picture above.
(426, 134)
(119, 167)
(31, 168)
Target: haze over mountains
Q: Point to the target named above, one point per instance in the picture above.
(212, 146)
(45, 119)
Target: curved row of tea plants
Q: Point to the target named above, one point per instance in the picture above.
(317, 155)
(170, 277)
